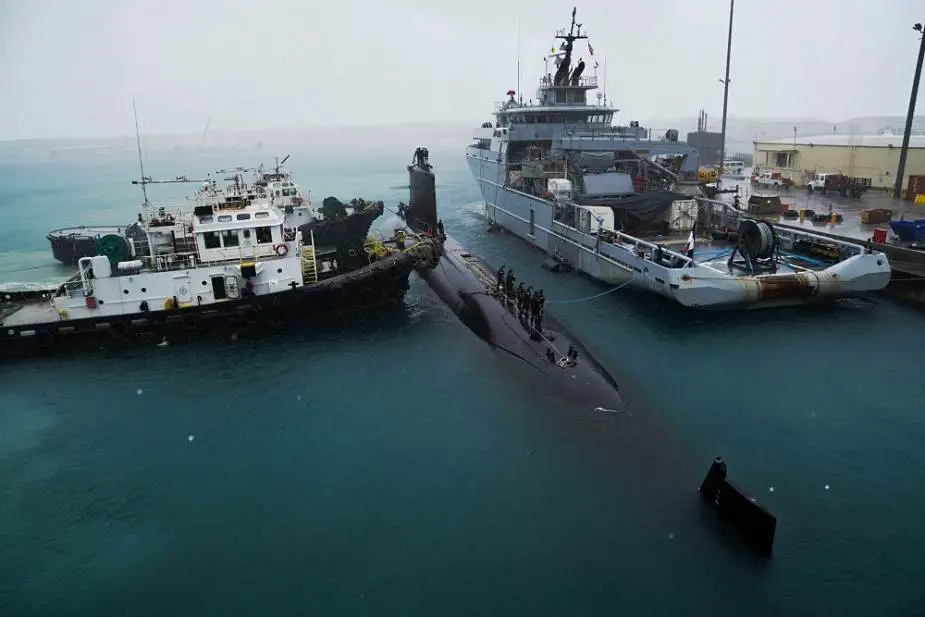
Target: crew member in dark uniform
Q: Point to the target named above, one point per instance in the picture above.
(527, 313)
(520, 298)
(500, 286)
(572, 353)
(538, 301)
(440, 228)
(509, 286)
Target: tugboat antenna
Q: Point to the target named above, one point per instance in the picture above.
(141, 163)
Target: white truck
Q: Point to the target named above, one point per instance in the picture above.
(766, 179)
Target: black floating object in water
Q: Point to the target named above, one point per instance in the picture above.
(734, 505)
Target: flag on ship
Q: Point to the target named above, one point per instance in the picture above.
(590, 49)
(690, 244)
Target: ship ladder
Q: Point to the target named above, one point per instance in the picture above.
(309, 266)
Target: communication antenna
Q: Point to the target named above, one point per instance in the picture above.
(519, 93)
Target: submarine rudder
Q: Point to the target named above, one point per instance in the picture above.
(734, 505)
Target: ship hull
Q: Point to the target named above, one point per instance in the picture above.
(702, 286)
(350, 230)
(69, 245)
(381, 284)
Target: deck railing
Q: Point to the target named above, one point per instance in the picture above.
(586, 81)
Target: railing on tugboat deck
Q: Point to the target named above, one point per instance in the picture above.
(586, 81)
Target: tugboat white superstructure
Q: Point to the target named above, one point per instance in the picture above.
(610, 200)
(236, 260)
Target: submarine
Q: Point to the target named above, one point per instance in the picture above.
(471, 290)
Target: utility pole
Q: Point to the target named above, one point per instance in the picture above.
(722, 152)
(898, 188)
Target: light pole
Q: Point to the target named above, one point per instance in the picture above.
(898, 188)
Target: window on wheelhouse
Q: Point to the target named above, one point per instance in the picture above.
(230, 238)
(264, 235)
(210, 240)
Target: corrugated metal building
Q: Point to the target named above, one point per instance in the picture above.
(865, 156)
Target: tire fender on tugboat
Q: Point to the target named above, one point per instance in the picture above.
(251, 316)
(118, 329)
(190, 321)
(45, 339)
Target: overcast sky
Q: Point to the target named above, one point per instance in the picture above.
(70, 68)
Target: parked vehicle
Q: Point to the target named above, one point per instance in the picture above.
(839, 183)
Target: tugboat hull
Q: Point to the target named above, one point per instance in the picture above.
(382, 284)
(352, 229)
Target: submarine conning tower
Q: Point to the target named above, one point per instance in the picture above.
(422, 206)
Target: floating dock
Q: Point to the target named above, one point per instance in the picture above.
(907, 265)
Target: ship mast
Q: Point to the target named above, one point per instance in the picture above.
(141, 163)
(561, 76)
(722, 151)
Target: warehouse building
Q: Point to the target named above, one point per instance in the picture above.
(864, 156)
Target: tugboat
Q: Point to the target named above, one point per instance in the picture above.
(342, 226)
(337, 224)
(237, 262)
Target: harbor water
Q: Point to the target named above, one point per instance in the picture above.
(394, 466)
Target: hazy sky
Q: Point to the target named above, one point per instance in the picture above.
(70, 68)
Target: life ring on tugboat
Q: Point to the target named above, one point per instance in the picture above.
(281, 250)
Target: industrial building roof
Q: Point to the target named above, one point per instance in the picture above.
(867, 141)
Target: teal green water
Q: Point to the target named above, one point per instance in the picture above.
(395, 467)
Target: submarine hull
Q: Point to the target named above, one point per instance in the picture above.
(467, 285)
(457, 280)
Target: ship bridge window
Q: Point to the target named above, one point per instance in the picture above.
(261, 215)
(224, 218)
(205, 219)
(289, 192)
(230, 238)
(244, 216)
(211, 241)
(264, 235)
